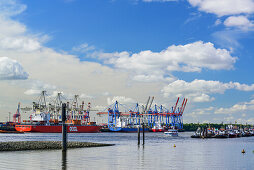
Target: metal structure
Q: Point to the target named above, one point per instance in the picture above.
(17, 117)
(148, 115)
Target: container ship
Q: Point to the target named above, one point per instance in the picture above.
(71, 128)
(46, 118)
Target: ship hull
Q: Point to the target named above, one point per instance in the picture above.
(127, 129)
(58, 128)
(158, 130)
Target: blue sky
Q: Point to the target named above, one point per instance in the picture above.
(129, 49)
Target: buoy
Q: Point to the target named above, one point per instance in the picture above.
(174, 145)
(243, 151)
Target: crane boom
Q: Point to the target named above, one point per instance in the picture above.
(176, 105)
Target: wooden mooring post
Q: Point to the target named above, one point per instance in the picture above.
(139, 135)
(143, 133)
(64, 131)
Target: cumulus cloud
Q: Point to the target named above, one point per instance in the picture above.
(237, 11)
(120, 99)
(13, 34)
(225, 7)
(38, 86)
(237, 108)
(202, 111)
(199, 90)
(241, 22)
(151, 66)
(11, 70)
(19, 43)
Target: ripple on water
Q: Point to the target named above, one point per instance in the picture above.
(158, 153)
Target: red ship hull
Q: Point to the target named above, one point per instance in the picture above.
(158, 130)
(58, 128)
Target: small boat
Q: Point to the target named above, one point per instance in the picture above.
(171, 132)
(195, 135)
(232, 134)
(220, 134)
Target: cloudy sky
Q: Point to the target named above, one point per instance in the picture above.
(127, 50)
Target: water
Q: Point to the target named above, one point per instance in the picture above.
(158, 153)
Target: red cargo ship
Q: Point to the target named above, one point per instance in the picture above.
(46, 118)
(58, 128)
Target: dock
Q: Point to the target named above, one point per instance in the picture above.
(45, 145)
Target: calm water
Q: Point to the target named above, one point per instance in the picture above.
(158, 153)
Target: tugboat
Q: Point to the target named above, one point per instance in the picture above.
(232, 134)
(220, 134)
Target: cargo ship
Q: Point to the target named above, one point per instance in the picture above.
(122, 126)
(58, 128)
(46, 118)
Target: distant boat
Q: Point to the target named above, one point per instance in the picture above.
(171, 132)
(232, 134)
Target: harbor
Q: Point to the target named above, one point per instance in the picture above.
(126, 85)
(139, 138)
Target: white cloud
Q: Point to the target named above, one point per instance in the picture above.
(38, 86)
(11, 8)
(224, 7)
(32, 92)
(199, 90)
(83, 48)
(238, 12)
(19, 43)
(13, 36)
(218, 22)
(85, 96)
(241, 22)
(151, 66)
(11, 70)
(10, 28)
(237, 108)
(120, 99)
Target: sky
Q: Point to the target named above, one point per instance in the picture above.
(127, 50)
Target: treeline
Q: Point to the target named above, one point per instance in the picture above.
(194, 126)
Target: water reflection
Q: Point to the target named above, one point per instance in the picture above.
(64, 160)
(141, 155)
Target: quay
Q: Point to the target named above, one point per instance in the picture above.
(45, 145)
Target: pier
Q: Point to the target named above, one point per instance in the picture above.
(45, 145)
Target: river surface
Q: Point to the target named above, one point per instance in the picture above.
(157, 153)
